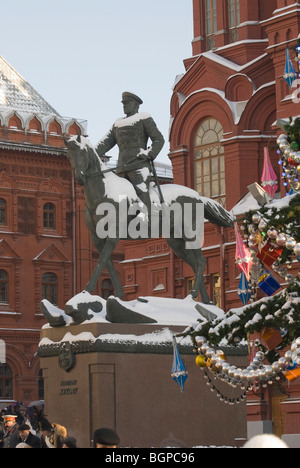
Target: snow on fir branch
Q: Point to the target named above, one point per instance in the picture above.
(280, 311)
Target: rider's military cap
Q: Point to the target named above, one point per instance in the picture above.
(128, 95)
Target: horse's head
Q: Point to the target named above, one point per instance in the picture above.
(78, 155)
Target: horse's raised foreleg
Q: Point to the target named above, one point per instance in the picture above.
(104, 261)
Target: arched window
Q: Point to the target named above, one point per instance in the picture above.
(6, 383)
(3, 287)
(49, 216)
(210, 161)
(107, 288)
(234, 20)
(3, 210)
(49, 287)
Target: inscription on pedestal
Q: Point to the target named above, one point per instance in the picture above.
(68, 387)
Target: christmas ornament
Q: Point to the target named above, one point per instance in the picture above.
(290, 243)
(257, 373)
(179, 371)
(269, 254)
(200, 361)
(256, 218)
(272, 233)
(244, 290)
(281, 240)
(242, 255)
(297, 250)
(263, 225)
(270, 338)
(269, 178)
(292, 375)
(290, 74)
(289, 145)
(268, 284)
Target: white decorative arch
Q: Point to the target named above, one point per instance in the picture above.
(17, 114)
(71, 122)
(53, 118)
(30, 117)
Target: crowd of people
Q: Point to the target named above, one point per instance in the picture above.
(29, 428)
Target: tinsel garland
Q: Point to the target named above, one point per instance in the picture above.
(289, 149)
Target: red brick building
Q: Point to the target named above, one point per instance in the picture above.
(45, 247)
(223, 114)
(224, 110)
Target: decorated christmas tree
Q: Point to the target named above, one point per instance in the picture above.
(268, 255)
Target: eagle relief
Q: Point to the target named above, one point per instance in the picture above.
(66, 357)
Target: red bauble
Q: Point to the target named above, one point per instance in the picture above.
(293, 163)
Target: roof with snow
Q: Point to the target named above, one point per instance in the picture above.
(17, 94)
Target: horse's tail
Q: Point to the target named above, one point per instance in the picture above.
(216, 214)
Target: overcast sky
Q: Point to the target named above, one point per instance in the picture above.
(80, 55)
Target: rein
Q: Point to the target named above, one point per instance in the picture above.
(100, 173)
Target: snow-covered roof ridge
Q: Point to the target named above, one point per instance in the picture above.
(213, 56)
(236, 108)
(17, 94)
(248, 203)
(228, 63)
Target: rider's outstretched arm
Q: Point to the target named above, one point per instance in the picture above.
(106, 143)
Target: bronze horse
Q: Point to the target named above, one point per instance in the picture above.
(104, 188)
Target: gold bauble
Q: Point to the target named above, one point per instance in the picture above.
(200, 361)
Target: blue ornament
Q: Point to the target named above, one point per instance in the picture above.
(179, 371)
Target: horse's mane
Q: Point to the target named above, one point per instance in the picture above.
(85, 144)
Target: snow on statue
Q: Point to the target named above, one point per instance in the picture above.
(127, 205)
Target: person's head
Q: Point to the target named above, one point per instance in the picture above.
(9, 420)
(131, 103)
(46, 428)
(24, 431)
(69, 442)
(106, 438)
